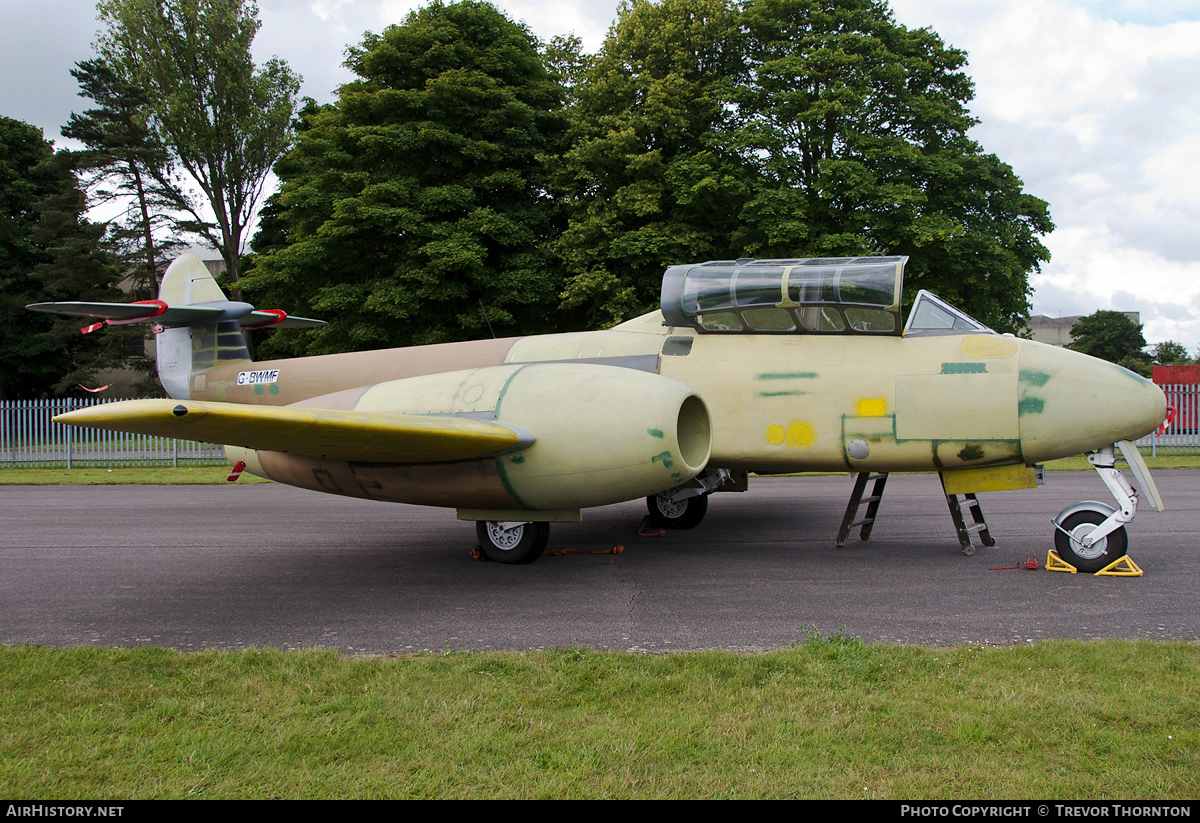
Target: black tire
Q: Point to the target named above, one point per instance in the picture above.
(684, 514)
(1093, 558)
(520, 544)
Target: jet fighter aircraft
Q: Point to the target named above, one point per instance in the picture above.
(750, 366)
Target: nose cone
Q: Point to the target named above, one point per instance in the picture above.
(1070, 403)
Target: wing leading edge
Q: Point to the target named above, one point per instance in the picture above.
(367, 437)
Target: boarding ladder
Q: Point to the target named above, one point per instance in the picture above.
(968, 502)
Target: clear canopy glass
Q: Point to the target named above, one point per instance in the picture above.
(840, 295)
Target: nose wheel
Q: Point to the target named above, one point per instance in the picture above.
(1091, 535)
(1070, 540)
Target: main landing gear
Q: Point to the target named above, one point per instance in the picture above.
(666, 513)
(685, 507)
(510, 542)
(518, 541)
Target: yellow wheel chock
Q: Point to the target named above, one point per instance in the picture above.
(1121, 567)
(1054, 563)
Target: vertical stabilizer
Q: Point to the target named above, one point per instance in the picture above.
(195, 324)
(182, 350)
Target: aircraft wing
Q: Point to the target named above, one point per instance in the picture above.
(368, 437)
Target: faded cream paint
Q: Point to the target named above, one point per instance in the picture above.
(778, 403)
(783, 403)
(603, 435)
(593, 418)
(983, 407)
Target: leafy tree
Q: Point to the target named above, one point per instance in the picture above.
(414, 209)
(224, 120)
(126, 162)
(787, 128)
(857, 130)
(1111, 336)
(48, 251)
(651, 178)
(1170, 353)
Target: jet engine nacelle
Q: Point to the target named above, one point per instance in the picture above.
(600, 435)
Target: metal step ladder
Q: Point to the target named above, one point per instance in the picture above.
(856, 500)
(979, 525)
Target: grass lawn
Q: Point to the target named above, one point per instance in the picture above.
(831, 717)
(133, 475)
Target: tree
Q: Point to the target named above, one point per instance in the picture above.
(48, 251)
(125, 161)
(1111, 336)
(414, 209)
(650, 178)
(224, 121)
(788, 128)
(1170, 353)
(857, 129)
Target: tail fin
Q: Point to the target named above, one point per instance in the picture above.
(196, 324)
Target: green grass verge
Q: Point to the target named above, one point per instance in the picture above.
(832, 717)
(133, 475)
(1181, 461)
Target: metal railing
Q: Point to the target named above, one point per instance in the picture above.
(1183, 435)
(29, 438)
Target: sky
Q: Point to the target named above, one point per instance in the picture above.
(1094, 103)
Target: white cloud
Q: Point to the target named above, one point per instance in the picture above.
(1096, 107)
(1094, 103)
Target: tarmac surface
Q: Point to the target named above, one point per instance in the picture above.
(235, 566)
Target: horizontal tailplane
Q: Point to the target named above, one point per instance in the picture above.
(196, 324)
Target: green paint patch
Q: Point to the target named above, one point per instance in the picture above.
(518, 458)
(1031, 405)
(971, 452)
(780, 393)
(655, 433)
(789, 375)
(258, 389)
(1034, 378)
(964, 368)
(664, 458)
(273, 389)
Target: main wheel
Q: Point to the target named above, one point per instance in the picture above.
(676, 514)
(1091, 558)
(520, 544)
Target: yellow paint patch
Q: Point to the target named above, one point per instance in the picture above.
(994, 479)
(776, 434)
(799, 433)
(988, 346)
(871, 407)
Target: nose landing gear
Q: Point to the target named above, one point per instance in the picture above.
(1091, 535)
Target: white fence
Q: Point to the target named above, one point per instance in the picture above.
(1183, 435)
(30, 438)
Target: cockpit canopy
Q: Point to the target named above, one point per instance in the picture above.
(821, 295)
(832, 295)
